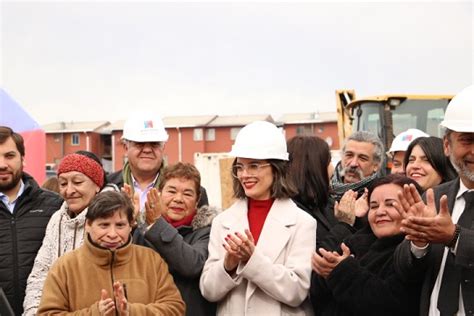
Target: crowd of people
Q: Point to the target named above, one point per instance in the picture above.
(301, 238)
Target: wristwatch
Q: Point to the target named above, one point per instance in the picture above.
(455, 238)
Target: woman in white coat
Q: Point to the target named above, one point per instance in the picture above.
(260, 248)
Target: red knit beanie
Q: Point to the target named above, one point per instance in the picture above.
(82, 164)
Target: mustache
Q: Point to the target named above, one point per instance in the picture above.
(355, 170)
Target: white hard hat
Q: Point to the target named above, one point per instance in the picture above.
(403, 140)
(144, 128)
(459, 115)
(260, 140)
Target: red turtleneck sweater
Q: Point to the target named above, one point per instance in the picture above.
(257, 213)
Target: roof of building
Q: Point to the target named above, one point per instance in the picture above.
(188, 121)
(310, 117)
(239, 120)
(105, 127)
(75, 127)
(171, 122)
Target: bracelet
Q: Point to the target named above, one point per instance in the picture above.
(453, 241)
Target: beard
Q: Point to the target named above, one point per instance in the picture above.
(8, 185)
(461, 168)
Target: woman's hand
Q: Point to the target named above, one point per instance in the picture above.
(239, 247)
(106, 304)
(344, 210)
(152, 206)
(135, 198)
(325, 263)
(362, 204)
(245, 244)
(121, 297)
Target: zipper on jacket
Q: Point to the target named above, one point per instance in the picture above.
(16, 276)
(112, 261)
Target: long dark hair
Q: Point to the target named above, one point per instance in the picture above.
(434, 152)
(308, 169)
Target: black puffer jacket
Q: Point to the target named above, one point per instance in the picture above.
(21, 235)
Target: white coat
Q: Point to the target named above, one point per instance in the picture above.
(276, 279)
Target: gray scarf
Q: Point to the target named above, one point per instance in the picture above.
(338, 187)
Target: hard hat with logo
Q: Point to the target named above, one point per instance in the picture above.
(459, 115)
(260, 140)
(403, 140)
(142, 127)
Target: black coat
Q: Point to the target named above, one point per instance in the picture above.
(21, 235)
(367, 283)
(325, 220)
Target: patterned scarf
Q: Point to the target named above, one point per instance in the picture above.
(127, 175)
(338, 187)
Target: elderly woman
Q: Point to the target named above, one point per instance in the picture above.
(108, 275)
(361, 278)
(426, 163)
(179, 231)
(260, 248)
(80, 178)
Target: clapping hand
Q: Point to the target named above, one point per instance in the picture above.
(344, 210)
(152, 206)
(325, 263)
(421, 222)
(135, 198)
(239, 247)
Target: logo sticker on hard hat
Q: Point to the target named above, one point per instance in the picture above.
(148, 124)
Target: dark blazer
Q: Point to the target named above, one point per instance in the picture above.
(406, 263)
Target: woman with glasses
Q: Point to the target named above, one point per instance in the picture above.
(260, 248)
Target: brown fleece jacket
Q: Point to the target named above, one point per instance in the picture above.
(75, 281)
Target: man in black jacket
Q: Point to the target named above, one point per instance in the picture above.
(25, 210)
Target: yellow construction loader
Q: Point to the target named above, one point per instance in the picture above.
(389, 115)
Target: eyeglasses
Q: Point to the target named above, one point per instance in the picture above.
(251, 168)
(141, 145)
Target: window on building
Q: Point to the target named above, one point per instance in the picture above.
(234, 131)
(57, 138)
(75, 139)
(197, 134)
(304, 130)
(211, 134)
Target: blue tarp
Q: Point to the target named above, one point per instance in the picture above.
(14, 116)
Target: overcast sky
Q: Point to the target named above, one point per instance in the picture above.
(100, 60)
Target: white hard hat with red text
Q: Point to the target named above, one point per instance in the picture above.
(403, 140)
(141, 127)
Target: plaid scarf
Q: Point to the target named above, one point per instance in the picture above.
(127, 175)
(338, 187)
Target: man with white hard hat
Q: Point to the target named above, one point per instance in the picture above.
(144, 138)
(399, 147)
(441, 233)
